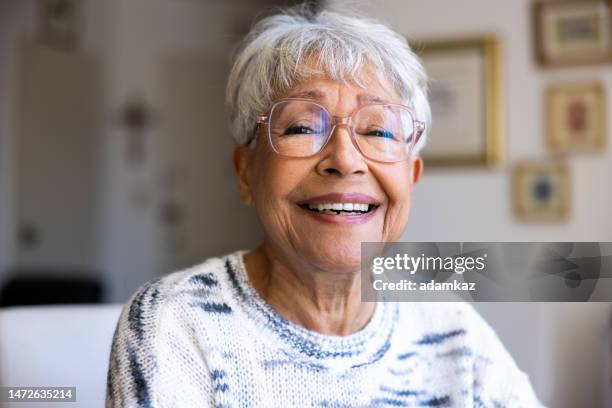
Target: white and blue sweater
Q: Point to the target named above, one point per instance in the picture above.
(203, 337)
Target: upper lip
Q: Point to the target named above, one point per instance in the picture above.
(341, 198)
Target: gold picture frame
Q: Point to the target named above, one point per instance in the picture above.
(466, 100)
(576, 117)
(572, 32)
(542, 191)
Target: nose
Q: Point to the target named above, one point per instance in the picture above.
(340, 156)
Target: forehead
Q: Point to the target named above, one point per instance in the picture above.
(365, 89)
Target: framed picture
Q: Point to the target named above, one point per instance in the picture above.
(542, 191)
(466, 102)
(576, 116)
(571, 32)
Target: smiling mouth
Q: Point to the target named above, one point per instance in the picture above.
(345, 209)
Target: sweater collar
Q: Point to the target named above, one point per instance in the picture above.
(317, 350)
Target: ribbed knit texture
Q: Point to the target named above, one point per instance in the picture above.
(203, 337)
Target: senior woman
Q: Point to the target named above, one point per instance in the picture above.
(329, 113)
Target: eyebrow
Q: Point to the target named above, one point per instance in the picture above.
(318, 96)
(367, 98)
(310, 94)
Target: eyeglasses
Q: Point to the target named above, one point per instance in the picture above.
(380, 132)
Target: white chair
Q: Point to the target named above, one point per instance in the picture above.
(58, 346)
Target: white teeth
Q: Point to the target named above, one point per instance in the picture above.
(339, 207)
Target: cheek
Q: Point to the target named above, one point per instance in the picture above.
(275, 179)
(275, 183)
(267, 182)
(396, 184)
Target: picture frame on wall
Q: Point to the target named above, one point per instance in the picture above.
(576, 117)
(466, 102)
(541, 191)
(572, 32)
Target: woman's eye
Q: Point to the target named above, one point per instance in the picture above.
(380, 133)
(298, 130)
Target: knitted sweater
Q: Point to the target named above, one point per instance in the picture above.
(203, 337)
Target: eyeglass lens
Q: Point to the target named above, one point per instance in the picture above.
(301, 128)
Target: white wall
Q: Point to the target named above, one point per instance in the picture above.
(561, 346)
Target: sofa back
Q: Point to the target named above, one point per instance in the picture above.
(58, 346)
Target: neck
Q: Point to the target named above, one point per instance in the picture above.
(322, 301)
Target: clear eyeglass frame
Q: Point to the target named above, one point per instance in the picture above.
(347, 121)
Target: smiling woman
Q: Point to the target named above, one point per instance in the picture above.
(329, 113)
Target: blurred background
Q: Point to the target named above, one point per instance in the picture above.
(115, 160)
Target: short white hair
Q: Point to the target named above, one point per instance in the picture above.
(271, 60)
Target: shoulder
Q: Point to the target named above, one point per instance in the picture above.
(453, 324)
(167, 300)
(158, 331)
(456, 329)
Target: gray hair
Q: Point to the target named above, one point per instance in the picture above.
(271, 60)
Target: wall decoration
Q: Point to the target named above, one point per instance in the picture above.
(576, 115)
(466, 102)
(570, 32)
(59, 23)
(542, 191)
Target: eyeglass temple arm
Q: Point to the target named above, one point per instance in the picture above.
(261, 119)
(420, 129)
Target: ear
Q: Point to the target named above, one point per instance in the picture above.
(241, 158)
(417, 169)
